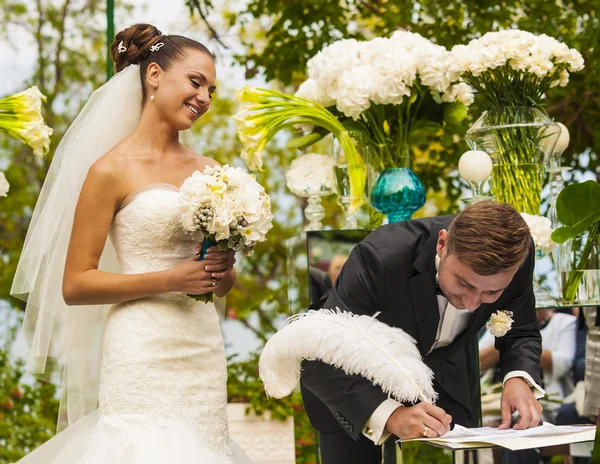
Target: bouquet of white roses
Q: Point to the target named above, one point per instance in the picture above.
(228, 207)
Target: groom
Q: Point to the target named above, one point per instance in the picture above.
(438, 279)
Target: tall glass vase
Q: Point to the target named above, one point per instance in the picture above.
(341, 171)
(520, 141)
(578, 268)
(398, 192)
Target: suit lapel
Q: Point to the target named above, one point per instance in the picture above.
(422, 287)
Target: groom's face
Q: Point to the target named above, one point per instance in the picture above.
(464, 288)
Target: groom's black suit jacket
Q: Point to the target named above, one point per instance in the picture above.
(392, 271)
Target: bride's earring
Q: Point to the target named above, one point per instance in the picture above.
(152, 97)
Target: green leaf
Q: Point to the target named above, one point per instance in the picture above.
(578, 208)
(455, 113)
(425, 125)
(306, 141)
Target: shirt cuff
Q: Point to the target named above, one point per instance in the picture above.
(374, 429)
(537, 391)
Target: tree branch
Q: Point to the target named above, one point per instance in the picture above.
(38, 38)
(59, 47)
(197, 5)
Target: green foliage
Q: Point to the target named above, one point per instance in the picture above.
(578, 208)
(418, 452)
(70, 39)
(28, 411)
(244, 386)
(281, 35)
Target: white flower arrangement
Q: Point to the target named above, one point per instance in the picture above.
(379, 87)
(4, 185)
(514, 67)
(311, 174)
(352, 75)
(541, 231)
(500, 323)
(228, 206)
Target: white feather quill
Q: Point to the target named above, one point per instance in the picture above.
(362, 345)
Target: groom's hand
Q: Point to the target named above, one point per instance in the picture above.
(517, 396)
(423, 420)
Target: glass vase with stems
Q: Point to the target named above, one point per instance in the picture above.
(342, 168)
(577, 259)
(520, 141)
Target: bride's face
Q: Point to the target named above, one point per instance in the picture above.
(183, 91)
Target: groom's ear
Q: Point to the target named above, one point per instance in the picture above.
(153, 74)
(442, 242)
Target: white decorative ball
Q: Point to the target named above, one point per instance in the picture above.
(475, 166)
(563, 141)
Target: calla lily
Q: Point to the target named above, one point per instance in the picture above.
(270, 112)
(20, 117)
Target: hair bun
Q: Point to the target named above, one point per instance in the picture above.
(137, 40)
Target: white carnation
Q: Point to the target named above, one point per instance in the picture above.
(500, 323)
(521, 50)
(311, 174)
(353, 75)
(327, 65)
(355, 89)
(311, 90)
(541, 231)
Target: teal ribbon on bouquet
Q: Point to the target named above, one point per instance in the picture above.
(206, 244)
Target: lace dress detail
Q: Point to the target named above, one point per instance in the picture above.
(163, 382)
(163, 356)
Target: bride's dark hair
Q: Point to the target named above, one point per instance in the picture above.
(138, 41)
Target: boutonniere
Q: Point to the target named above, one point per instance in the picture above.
(500, 323)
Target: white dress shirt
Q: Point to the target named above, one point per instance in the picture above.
(453, 322)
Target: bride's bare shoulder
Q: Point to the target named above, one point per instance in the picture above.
(111, 170)
(202, 161)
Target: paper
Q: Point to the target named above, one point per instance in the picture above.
(537, 437)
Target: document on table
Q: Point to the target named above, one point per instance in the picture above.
(537, 437)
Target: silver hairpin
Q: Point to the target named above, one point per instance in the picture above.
(156, 47)
(122, 48)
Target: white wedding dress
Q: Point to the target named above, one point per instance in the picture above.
(163, 381)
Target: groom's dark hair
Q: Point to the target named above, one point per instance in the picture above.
(489, 237)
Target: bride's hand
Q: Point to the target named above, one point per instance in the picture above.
(221, 262)
(192, 276)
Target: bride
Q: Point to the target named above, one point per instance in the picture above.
(143, 365)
